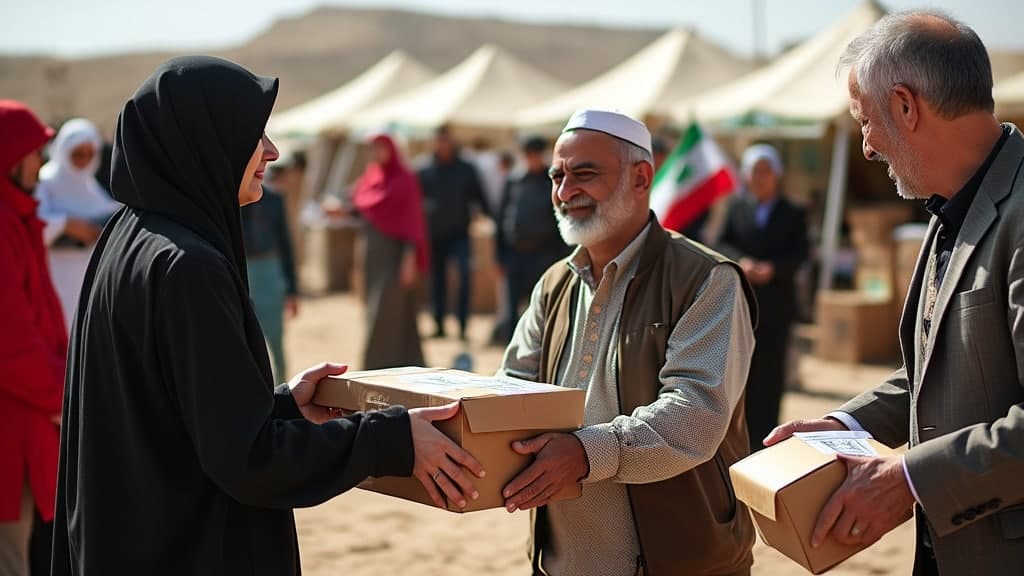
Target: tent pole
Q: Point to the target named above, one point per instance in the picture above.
(340, 168)
(834, 203)
(315, 156)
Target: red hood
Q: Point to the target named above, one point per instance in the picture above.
(22, 131)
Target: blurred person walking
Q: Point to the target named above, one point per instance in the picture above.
(270, 263)
(74, 206)
(451, 191)
(395, 253)
(767, 235)
(33, 344)
(527, 241)
(178, 453)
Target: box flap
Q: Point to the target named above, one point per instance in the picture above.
(559, 409)
(758, 478)
(372, 390)
(512, 404)
(456, 384)
(399, 371)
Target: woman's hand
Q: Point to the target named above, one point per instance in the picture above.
(303, 387)
(407, 273)
(82, 230)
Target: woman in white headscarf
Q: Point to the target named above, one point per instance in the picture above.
(74, 207)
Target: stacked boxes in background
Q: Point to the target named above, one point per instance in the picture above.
(908, 238)
(862, 325)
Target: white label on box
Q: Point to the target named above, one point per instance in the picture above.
(441, 382)
(839, 442)
(383, 372)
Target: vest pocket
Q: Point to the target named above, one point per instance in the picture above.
(718, 487)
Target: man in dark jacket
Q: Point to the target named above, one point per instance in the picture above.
(527, 239)
(767, 235)
(451, 188)
(271, 267)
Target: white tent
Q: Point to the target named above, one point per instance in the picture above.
(396, 74)
(799, 86)
(677, 66)
(1009, 96)
(486, 90)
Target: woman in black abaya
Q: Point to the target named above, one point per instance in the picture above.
(178, 455)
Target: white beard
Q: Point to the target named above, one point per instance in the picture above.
(608, 216)
(910, 169)
(904, 189)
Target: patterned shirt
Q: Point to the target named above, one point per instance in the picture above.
(705, 371)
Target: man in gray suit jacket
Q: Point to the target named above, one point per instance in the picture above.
(921, 89)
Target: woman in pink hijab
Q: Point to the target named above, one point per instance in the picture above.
(389, 199)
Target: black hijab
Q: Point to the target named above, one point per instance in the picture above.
(183, 142)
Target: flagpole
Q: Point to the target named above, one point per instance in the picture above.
(757, 17)
(834, 203)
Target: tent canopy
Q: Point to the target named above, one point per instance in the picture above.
(397, 73)
(1009, 96)
(486, 90)
(799, 86)
(679, 65)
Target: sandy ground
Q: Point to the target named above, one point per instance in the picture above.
(364, 533)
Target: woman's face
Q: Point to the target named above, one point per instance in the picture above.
(82, 155)
(381, 153)
(251, 189)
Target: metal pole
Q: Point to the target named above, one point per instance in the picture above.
(758, 23)
(834, 203)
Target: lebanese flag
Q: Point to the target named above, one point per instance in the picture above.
(692, 178)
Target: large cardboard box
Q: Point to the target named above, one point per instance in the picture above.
(853, 327)
(786, 486)
(876, 271)
(494, 412)
(873, 224)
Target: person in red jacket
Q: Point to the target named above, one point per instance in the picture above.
(33, 343)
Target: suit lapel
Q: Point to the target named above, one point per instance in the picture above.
(994, 187)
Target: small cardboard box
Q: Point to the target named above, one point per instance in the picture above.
(786, 486)
(494, 412)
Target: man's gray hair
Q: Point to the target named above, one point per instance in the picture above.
(936, 57)
(631, 153)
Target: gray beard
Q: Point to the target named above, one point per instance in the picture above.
(600, 225)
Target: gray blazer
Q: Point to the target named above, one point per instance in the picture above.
(961, 405)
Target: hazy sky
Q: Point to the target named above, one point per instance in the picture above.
(78, 28)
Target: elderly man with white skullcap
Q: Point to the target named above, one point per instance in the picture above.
(657, 330)
(767, 235)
